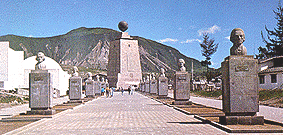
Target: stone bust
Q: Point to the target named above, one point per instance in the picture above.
(102, 79)
(97, 77)
(75, 71)
(147, 78)
(237, 37)
(181, 64)
(89, 75)
(153, 76)
(40, 58)
(162, 72)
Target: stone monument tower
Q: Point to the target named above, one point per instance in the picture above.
(124, 67)
(240, 84)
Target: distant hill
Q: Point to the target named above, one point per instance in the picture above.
(89, 48)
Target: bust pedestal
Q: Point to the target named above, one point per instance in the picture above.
(40, 93)
(89, 87)
(153, 87)
(240, 91)
(162, 86)
(75, 85)
(181, 88)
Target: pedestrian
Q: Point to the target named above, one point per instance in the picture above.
(102, 91)
(107, 91)
(112, 91)
(129, 90)
(132, 90)
(122, 90)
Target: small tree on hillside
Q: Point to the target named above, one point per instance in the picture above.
(274, 44)
(208, 48)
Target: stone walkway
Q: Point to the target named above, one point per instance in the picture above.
(128, 114)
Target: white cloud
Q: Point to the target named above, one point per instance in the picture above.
(30, 35)
(210, 30)
(228, 37)
(167, 40)
(191, 41)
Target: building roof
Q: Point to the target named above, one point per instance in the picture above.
(272, 70)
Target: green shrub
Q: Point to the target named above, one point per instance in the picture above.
(268, 94)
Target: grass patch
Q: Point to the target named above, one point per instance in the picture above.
(216, 93)
(10, 98)
(268, 94)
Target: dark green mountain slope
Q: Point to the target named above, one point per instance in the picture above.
(89, 47)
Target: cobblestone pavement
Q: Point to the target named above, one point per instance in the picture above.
(127, 114)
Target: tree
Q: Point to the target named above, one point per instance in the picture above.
(274, 44)
(208, 48)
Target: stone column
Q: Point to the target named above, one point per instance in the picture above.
(181, 85)
(240, 85)
(40, 89)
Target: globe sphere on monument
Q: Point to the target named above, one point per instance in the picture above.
(123, 26)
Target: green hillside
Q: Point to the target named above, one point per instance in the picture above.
(85, 47)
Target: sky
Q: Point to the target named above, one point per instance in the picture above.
(175, 23)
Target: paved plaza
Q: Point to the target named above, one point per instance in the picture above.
(127, 114)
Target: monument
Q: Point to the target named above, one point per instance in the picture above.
(162, 84)
(97, 86)
(124, 67)
(181, 85)
(89, 86)
(75, 82)
(240, 84)
(153, 84)
(40, 89)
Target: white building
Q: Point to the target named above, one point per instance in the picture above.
(271, 73)
(11, 63)
(60, 78)
(14, 70)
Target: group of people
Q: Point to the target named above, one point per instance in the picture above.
(108, 91)
(130, 90)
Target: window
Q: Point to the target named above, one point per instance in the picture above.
(273, 78)
(261, 79)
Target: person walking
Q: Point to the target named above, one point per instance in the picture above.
(102, 91)
(107, 92)
(122, 90)
(129, 89)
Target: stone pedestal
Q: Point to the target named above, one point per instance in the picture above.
(75, 86)
(97, 88)
(240, 90)
(181, 88)
(147, 86)
(162, 86)
(153, 87)
(89, 87)
(40, 93)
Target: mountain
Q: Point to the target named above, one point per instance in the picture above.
(89, 48)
